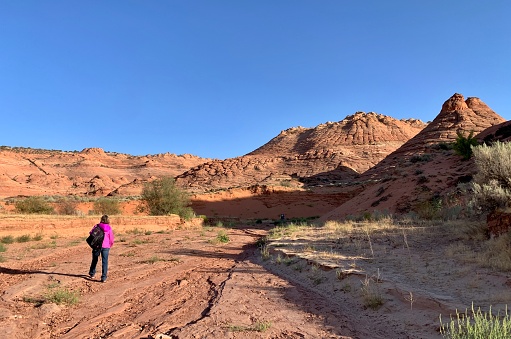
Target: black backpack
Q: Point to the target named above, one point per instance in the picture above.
(95, 239)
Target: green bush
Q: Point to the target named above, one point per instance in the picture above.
(24, 238)
(222, 237)
(33, 205)
(463, 145)
(477, 324)
(107, 206)
(163, 197)
(61, 295)
(8, 239)
(492, 182)
(429, 209)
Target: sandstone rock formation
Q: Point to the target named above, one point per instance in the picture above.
(27, 171)
(328, 153)
(500, 132)
(423, 170)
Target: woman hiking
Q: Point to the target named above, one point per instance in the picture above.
(108, 242)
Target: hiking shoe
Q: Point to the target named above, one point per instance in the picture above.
(103, 280)
(91, 276)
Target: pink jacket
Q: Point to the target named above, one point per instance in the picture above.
(108, 241)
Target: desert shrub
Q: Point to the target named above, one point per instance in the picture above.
(67, 207)
(420, 158)
(260, 326)
(8, 239)
(163, 197)
(451, 212)
(463, 145)
(492, 182)
(33, 205)
(222, 237)
(61, 295)
(477, 324)
(429, 209)
(422, 179)
(107, 206)
(24, 238)
(444, 146)
(371, 294)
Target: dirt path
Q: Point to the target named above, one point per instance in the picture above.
(161, 284)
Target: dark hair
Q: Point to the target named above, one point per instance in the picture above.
(104, 219)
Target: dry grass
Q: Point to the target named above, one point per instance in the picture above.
(372, 240)
(371, 293)
(417, 254)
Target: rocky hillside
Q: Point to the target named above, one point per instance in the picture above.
(423, 169)
(330, 152)
(27, 171)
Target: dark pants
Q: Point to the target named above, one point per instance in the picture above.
(104, 262)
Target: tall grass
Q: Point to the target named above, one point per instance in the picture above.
(222, 237)
(477, 325)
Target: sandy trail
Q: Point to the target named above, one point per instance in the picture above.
(166, 283)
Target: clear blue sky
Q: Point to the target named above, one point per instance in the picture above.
(218, 78)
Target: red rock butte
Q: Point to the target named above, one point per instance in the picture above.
(420, 169)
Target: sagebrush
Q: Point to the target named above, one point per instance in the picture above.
(163, 197)
(492, 182)
(33, 205)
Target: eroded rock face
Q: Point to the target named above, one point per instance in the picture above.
(454, 103)
(421, 170)
(92, 171)
(328, 153)
(456, 115)
(471, 115)
(355, 130)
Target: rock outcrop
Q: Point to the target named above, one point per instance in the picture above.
(423, 170)
(27, 171)
(329, 153)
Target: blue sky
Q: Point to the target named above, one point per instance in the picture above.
(218, 78)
